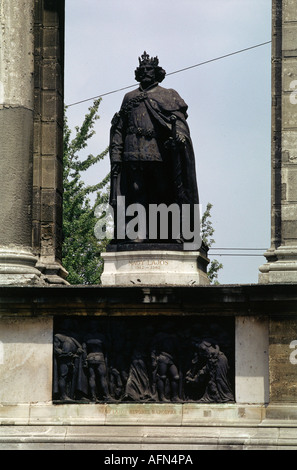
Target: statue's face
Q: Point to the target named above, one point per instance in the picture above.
(147, 75)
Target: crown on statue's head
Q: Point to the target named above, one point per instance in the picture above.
(147, 60)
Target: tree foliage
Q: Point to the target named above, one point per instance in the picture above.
(207, 237)
(81, 250)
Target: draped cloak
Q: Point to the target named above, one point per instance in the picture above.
(142, 131)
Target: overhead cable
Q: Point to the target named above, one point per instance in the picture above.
(176, 71)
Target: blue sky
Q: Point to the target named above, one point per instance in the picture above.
(229, 100)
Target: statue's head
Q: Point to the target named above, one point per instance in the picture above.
(208, 347)
(149, 70)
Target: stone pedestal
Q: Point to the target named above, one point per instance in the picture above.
(159, 268)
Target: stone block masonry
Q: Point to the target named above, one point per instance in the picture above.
(263, 414)
(281, 263)
(48, 138)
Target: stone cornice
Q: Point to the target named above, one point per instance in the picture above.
(234, 300)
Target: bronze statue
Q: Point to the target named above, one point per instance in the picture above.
(96, 364)
(165, 348)
(70, 380)
(141, 383)
(210, 368)
(143, 360)
(151, 152)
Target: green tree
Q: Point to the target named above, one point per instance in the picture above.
(207, 237)
(81, 249)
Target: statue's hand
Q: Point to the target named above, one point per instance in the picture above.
(189, 377)
(169, 144)
(180, 139)
(172, 143)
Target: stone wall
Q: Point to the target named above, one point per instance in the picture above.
(26, 360)
(282, 359)
(263, 414)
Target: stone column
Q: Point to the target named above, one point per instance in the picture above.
(281, 266)
(48, 138)
(17, 263)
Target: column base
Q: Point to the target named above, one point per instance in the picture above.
(18, 267)
(281, 266)
(53, 272)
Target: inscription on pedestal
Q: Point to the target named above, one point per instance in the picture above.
(148, 264)
(143, 359)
